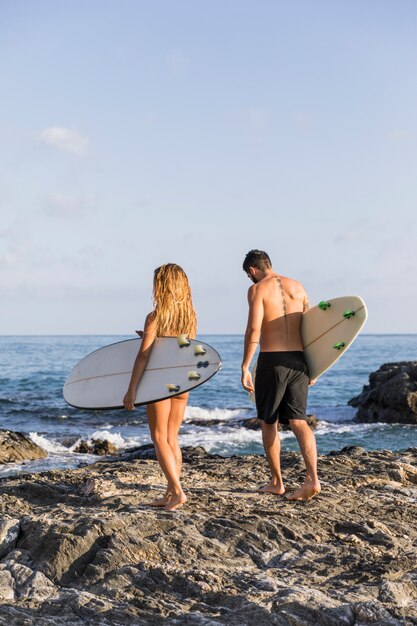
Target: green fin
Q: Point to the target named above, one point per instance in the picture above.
(323, 305)
(339, 345)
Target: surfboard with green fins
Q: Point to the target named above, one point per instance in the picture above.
(327, 331)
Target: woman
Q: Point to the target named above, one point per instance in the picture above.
(173, 315)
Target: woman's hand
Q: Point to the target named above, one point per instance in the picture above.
(129, 400)
(247, 382)
(312, 382)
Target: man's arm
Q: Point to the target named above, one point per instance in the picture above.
(252, 334)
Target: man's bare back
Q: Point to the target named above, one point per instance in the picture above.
(284, 300)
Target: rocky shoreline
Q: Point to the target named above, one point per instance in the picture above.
(83, 546)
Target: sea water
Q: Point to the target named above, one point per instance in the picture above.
(33, 370)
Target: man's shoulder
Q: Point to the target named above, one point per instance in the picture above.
(292, 281)
(294, 286)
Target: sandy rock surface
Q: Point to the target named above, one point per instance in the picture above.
(83, 546)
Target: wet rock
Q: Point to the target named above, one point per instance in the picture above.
(205, 422)
(391, 395)
(254, 424)
(101, 447)
(349, 451)
(147, 452)
(15, 447)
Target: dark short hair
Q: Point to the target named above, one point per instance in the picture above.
(258, 259)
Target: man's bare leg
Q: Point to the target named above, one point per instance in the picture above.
(307, 442)
(272, 447)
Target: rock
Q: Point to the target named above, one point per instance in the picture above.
(90, 549)
(391, 395)
(206, 422)
(349, 451)
(101, 447)
(254, 424)
(6, 584)
(9, 532)
(15, 447)
(147, 452)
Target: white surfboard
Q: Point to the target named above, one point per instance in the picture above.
(176, 365)
(327, 331)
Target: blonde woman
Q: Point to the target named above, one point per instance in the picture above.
(173, 315)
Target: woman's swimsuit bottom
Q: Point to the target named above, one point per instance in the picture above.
(281, 386)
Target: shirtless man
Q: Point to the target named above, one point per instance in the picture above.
(276, 306)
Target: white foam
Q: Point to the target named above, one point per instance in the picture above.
(48, 444)
(225, 440)
(326, 428)
(116, 439)
(196, 412)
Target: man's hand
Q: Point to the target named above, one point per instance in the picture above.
(312, 382)
(247, 382)
(140, 333)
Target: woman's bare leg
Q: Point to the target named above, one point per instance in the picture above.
(158, 418)
(176, 416)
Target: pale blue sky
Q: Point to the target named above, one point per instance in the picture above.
(134, 133)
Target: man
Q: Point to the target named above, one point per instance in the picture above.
(276, 306)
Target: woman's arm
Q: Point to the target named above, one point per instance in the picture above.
(148, 338)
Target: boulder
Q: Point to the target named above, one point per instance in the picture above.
(15, 447)
(101, 447)
(391, 395)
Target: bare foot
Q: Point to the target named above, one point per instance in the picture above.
(161, 501)
(277, 490)
(307, 491)
(176, 501)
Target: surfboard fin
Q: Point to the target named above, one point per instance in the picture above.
(323, 305)
(199, 349)
(183, 341)
(193, 376)
(172, 388)
(348, 314)
(339, 345)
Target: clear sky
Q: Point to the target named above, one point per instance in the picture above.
(134, 133)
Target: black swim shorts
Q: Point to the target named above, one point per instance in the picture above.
(281, 385)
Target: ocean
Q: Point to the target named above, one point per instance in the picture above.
(33, 370)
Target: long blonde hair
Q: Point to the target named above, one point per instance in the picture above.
(173, 305)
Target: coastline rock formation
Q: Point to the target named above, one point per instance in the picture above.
(16, 447)
(83, 546)
(391, 395)
(100, 447)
